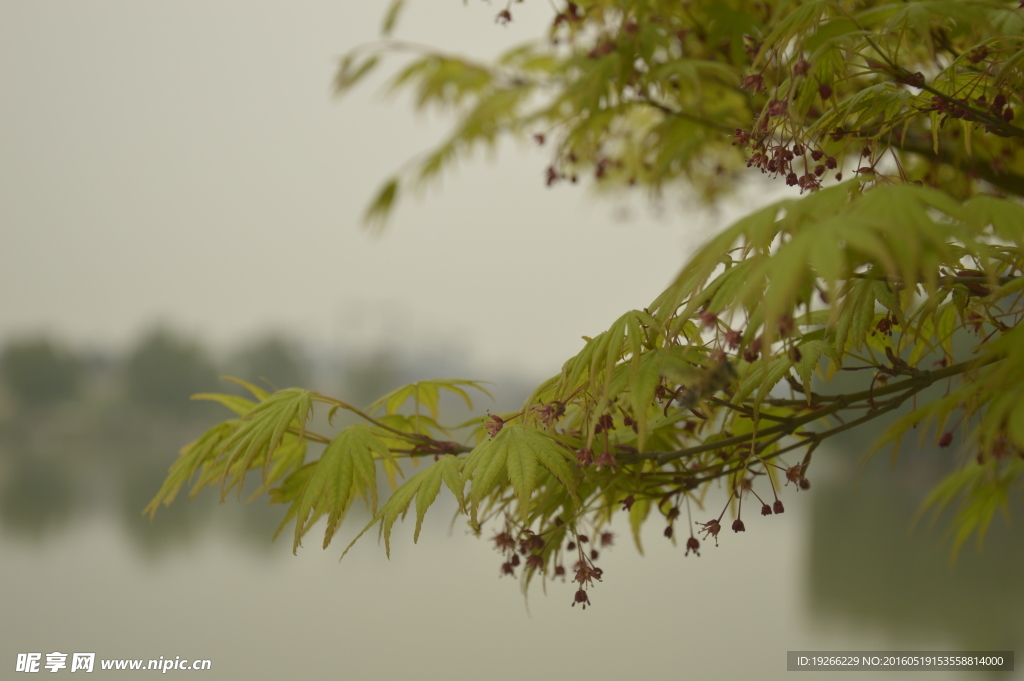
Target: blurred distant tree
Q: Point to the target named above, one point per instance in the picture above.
(897, 124)
(271, 361)
(38, 373)
(163, 371)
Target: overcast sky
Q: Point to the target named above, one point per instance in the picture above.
(186, 162)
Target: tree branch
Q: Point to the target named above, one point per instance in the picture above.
(835, 404)
(1011, 183)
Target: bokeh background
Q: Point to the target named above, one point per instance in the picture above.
(180, 196)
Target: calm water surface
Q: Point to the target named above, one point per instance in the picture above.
(837, 572)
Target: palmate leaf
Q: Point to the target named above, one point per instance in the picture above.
(765, 375)
(1004, 391)
(632, 335)
(427, 394)
(289, 492)
(191, 458)
(214, 456)
(516, 455)
(644, 382)
(288, 455)
(416, 424)
(240, 405)
(756, 227)
(423, 487)
(638, 513)
(810, 352)
(346, 470)
(260, 432)
(905, 232)
(982, 489)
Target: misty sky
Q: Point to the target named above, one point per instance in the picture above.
(186, 162)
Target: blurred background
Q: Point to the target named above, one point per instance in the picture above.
(180, 198)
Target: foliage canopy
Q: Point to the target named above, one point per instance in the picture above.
(896, 122)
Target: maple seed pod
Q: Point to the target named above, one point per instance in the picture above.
(737, 526)
(754, 83)
(552, 175)
(766, 509)
(692, 544)
(777, 107)
(946, 439)
(778, 507)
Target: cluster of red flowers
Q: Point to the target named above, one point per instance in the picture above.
(777, 160)
(530, 545)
